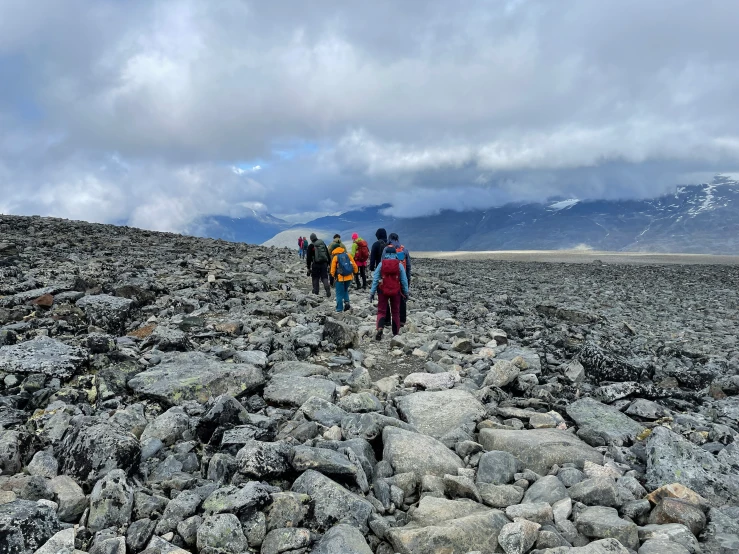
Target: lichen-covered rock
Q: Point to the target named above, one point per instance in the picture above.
(25, 526)
(108, 312)
(42, 355)
(437, 413)
(111, 502)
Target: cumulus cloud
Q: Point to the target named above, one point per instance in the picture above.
(156, 112)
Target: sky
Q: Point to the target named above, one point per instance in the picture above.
(156, 113)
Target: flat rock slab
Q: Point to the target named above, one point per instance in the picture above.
(300, 369)
(540, 449)
(437, 413)
(600, 424)
(420, 454)
(673, 459)
(42, 355)
(292, 390)
(477, 532)
(184, 376)
(432, 510)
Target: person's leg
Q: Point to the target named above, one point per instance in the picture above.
(395, 307)
(388, 311)
(324, 279)
(316, 277)
(403, 309)
(381, 314)
(363, 273)
(339, 296)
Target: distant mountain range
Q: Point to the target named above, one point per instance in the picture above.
(695, 219)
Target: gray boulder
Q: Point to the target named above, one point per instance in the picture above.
(339, 333)
(322, 411)
(437, 413)
(111, 502)
(518, 537)
(369, 426)
(298, 369)
(600, 424)
(342, 539)
(421, 454)
(10, 452)
(43, 464)
(289, 539)
(476, 532)
(501, 374)
(263, 460)
(599, 522)
(184, 376)
(332, 503)
(547, 489)
(295, 391)
(167, 427)
(243, 500)
(42, 355)
(221, 534)
(497, 467)
(598, 491)
(108, 312)
(25, 526)
(540, 449)
(90, 450)
(673, 459)
(70, 497)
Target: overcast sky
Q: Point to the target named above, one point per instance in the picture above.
(156, 112)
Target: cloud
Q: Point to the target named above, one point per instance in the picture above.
(145, 111)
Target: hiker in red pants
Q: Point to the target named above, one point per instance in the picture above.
(390, 282)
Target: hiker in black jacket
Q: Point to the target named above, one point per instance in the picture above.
(377, 248)
(318, 259)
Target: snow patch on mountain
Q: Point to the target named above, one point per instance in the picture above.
(563, 204)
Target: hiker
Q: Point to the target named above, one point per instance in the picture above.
(391, 284)
(318, 258)
(331, 247)
(360, 253)
(343, 269)
(305, 246)
(405, 258)
(377, 248)
(301, 252)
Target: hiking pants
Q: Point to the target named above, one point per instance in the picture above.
(301, 253)
(362, 273)
(342, 294)
(319, 273)
(403, 309)
(382, 310)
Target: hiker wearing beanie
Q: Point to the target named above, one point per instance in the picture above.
(390, 282)
(336, 243)
(360, 253)
(318, 259)
(377, 248)
(405, 258)
(343, 269)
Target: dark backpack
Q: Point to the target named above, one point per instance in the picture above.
(344, 264)
(390, 277)
(363, 252)
(321, 252)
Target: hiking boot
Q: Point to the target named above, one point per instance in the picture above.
(347, 307)
(378, 334)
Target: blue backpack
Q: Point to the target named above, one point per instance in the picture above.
(344, 264)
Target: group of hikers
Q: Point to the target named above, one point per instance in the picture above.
(335, 266)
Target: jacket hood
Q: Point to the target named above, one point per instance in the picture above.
(381, 234)
(339, 249)
(395, 243)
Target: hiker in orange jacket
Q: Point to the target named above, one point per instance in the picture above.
(343, 268)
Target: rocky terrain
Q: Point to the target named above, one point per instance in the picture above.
(169, 394)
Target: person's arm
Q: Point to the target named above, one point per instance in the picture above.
(309, 257)
(375, 279)
(403, 280)
(334, 262)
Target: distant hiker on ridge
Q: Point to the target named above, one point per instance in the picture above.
(390, 281)
(318, 259)
(343, 269)
(301, 252)
(305, 246)
(360, 253)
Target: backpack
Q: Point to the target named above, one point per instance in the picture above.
(402, 258)
(344, 264)
(321, 252)
(300, 243)
(363, 252)
(390, 277)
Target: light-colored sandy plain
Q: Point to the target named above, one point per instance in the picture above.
(583, 256)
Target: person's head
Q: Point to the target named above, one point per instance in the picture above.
(355, 236)
(337, 237)
(381, 234)
(394, 236)
(313, 237)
